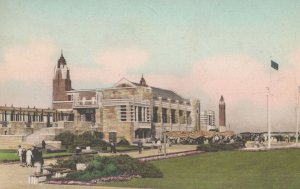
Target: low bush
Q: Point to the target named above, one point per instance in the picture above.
(70, 163)
(71, 141)
(123, 142)
(55, 151)
(99, 167)
(218, 147)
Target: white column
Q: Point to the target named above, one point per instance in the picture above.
(136, 113)
(143, 114)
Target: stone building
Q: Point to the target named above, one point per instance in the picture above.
(135, 110)
(207, 120)
(130, 110)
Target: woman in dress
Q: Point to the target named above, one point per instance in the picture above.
(28, 157)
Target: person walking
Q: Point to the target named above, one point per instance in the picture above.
(23, 157)
(19, 153)
(38, 160)
(43, 144)
(159, 146)
(114, 147)
(28, 157)
(111, 147)
(140, 146)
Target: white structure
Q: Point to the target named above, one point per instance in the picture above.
(207, 120)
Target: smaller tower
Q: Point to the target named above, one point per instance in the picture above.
(222, 115)
(143, 82)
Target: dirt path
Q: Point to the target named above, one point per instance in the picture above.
(13, 176)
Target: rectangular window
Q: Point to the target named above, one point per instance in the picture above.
(173, 116)
(123, 113)
(164, 115)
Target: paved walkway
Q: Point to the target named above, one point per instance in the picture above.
(151, 152)
(13, 176)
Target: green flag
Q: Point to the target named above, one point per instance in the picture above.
(274, 65)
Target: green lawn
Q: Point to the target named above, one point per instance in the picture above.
(12, 156)
(228, 170)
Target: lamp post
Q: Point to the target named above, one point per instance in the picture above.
(165, 139)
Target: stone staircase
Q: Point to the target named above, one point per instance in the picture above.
(10, 141)
(36, 138)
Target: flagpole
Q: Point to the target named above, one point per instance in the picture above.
(268, 119)
(268, 112)
(297, 117)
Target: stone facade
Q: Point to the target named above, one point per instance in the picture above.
(137, 111)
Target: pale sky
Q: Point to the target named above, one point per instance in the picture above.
(201, 49)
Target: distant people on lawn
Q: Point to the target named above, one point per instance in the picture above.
(19, 153)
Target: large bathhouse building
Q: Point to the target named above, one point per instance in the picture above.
(130, 110)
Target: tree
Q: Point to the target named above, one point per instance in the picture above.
(66, 138)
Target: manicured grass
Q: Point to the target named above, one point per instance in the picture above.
(12, 156)
(231, 169)
(8, 156)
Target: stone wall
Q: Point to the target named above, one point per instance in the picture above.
(16, 128)
(62, 105)
(19, 128)
(10, 141)
(110, 114)
(111, 123)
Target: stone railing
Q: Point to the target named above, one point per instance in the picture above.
(142, 125)
(85, 103)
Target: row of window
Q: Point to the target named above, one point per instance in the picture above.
(142, 114)
(134, 113)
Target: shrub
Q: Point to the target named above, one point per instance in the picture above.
(70, 141)
(112, 166)
(218, 147)
(71, 162)
(123, 142)
(66, 138)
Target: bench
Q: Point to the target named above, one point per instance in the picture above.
(37, 178)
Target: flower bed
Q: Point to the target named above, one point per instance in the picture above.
(170, 155)
(121, 178)
(114, 167)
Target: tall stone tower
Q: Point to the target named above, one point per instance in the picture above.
(222, 115)
(61, 84)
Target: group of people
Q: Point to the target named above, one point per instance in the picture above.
(31, 158)
(25, 156)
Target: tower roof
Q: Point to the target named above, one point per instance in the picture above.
(61, 61)
(143, 82)
(222, 100)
